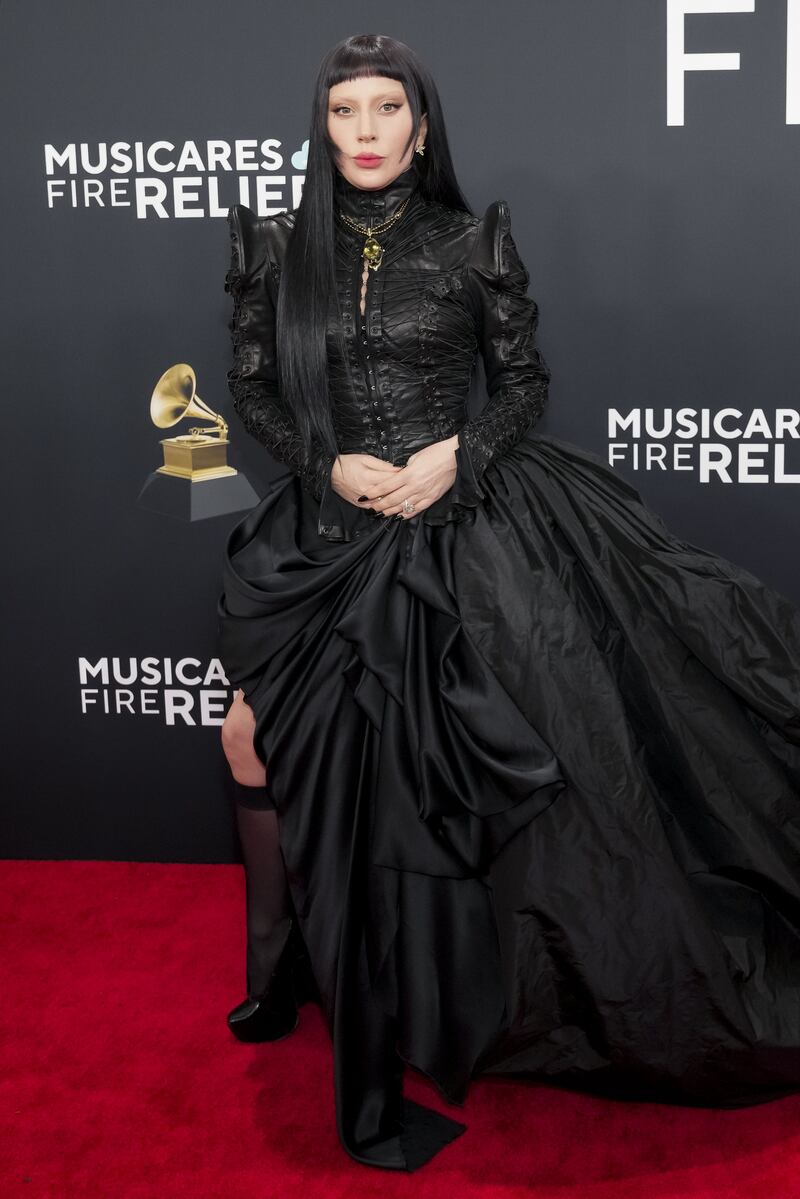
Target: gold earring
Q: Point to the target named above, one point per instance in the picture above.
(420, 150)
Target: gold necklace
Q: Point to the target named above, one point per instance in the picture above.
(373, 251)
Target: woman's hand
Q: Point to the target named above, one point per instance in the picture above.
(427, 475)
(354, 476)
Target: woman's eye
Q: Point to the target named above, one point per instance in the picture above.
(346, 107)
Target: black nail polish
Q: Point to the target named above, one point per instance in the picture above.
(361, 498)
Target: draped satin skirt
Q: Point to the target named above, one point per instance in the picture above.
(537, 776)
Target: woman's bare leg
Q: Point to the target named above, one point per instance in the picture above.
(238, 729)
(268, 903)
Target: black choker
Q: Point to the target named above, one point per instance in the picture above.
(376, 205)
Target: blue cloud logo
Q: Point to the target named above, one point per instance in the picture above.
(300, 157)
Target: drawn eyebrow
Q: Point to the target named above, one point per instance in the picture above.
(349, 99)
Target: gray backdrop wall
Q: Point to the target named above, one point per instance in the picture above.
(654, 199)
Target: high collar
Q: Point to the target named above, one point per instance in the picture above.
(377, 204)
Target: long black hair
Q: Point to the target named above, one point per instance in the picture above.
(308, 276)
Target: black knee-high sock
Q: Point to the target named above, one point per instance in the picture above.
(268, 902)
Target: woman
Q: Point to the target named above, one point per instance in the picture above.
(518, 770)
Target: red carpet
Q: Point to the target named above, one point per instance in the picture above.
(119, 1077)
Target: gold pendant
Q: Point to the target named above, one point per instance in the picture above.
(373, 253)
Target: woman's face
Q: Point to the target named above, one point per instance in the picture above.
(371, 116)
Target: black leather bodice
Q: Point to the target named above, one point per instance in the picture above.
(449, 286)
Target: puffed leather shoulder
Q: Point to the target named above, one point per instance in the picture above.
(256, 242)
(494, 254)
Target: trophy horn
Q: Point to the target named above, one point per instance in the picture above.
(175, 397)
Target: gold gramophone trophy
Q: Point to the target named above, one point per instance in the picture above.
(199, 456)
(201, 453)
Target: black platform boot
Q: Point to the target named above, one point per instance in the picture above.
(279, 975)
(275, 1013)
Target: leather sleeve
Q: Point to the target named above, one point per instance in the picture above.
(517, 376)
(252, 380)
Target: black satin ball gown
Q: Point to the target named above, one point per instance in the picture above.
(537, 776)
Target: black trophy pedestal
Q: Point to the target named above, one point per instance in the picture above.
(200, 500)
